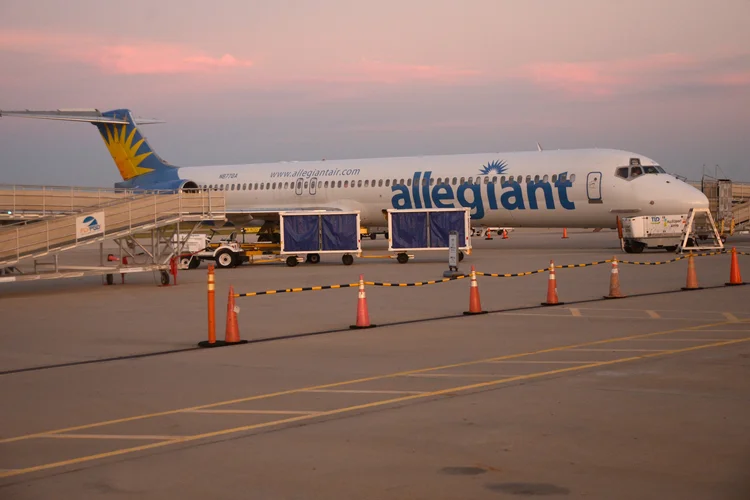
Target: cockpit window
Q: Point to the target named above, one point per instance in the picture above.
(632, 172)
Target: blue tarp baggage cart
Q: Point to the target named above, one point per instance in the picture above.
(316, 232)
(428, 229)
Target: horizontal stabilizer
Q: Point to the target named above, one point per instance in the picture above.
(76, 115)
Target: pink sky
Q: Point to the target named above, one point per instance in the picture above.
(299, 79)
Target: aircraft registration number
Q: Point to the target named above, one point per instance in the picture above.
(228, 176)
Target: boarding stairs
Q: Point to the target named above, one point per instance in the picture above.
(117, 219)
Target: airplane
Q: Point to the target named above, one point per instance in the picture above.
(573, 188)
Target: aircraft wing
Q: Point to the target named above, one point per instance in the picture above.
(75, 115)
(273, 213)
(244, 217)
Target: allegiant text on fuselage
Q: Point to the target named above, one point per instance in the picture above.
(510, 195)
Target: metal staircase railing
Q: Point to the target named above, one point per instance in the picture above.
(116, 219)
(24, 202)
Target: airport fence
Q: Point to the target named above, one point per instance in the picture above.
(232, 334)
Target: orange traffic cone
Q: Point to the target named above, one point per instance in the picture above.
(614, 282)
(505, 234)
(565, 233)
(232, 335)
(734, 271)
(692, 278)
(363, 317)
(552, 288)
(475, 306)
(488, 235)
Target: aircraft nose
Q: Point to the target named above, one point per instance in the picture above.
(672, 196)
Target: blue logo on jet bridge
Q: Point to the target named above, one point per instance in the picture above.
(92, 223)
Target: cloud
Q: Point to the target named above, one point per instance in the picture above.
(376, 71)
(655, 71)
(131, 58)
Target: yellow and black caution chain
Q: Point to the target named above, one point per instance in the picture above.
(478, 273)
(300, 289)
(418, 283)
(682, 257)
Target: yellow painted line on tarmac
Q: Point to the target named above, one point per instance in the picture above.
(357, 381)
(348, 409)
(653, 314)
(542, 362)
(448, 375)
(725, 330)
(604, 349)
(730, 317)
(108, 436)
(682, 340)
(257, 412)
(363, 391)
(574, 311)
(607, 316)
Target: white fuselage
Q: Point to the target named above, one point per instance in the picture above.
(566, 188)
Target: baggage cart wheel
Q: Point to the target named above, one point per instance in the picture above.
(373, 236)
(185, 262)
(402, 258)
(194, 263)
(347, 259)
(164, 278)
(224, 259)
(291, 261)
(313, 258)
(460, 256)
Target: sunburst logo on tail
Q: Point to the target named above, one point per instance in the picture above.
(497, 166)
(124, 152)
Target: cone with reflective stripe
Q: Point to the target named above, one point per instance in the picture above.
(692, 277)
(734, 271)
(475, 305)
(505, 234)
(232, 334)
(488, 235)
(614, 282)
(363, 316)
(565, 233)
(552, 299)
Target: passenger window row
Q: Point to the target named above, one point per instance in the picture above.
(267, 186)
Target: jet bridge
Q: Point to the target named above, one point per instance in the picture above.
(123, 220)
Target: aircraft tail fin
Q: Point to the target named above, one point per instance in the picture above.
(128, 147)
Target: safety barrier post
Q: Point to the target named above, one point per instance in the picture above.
(211, 310)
